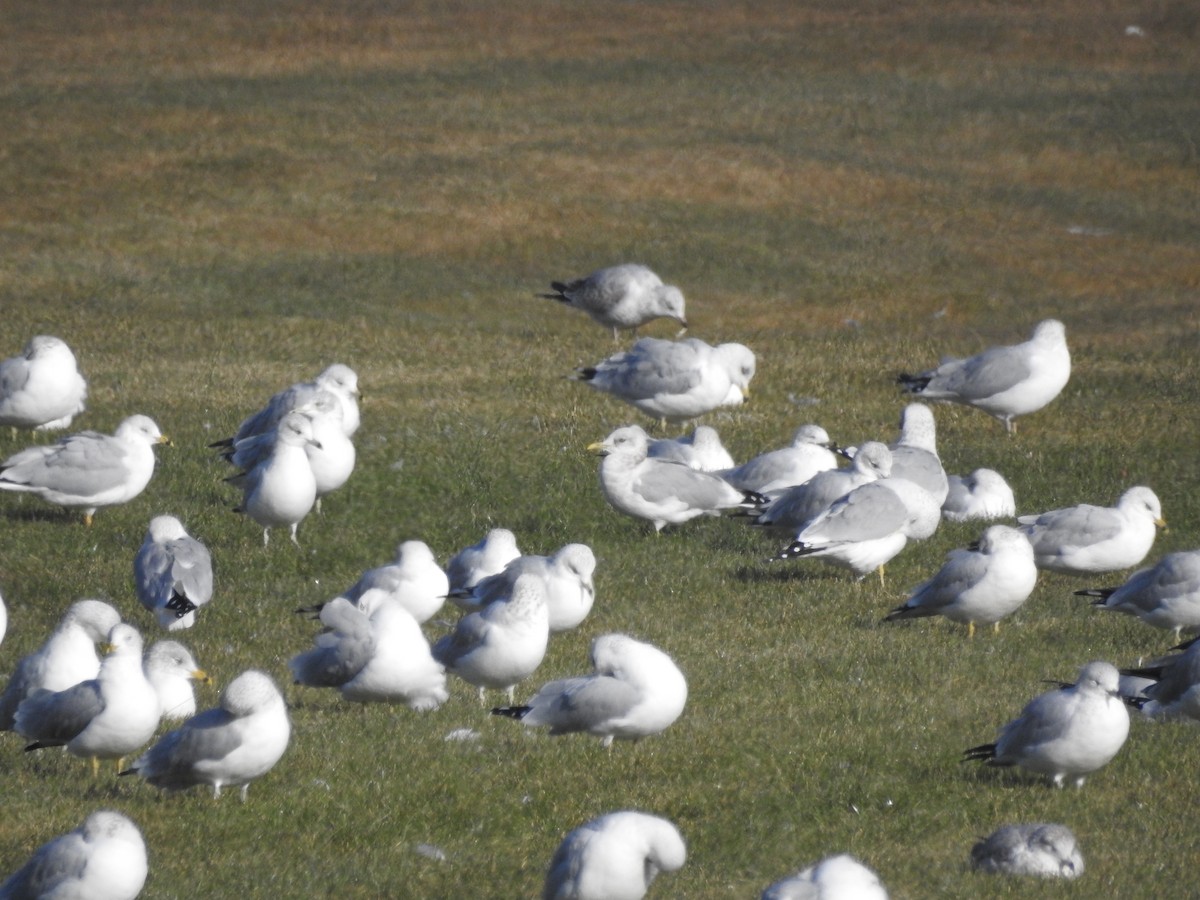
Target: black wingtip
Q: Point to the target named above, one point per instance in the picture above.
(793, 550)
(180, 605)
(982, 753)
(511, 712)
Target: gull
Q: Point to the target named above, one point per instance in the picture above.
(1047, 850)
(1066, 733)
(338, 379)
(1085, 539)
(978, 585)
(774, 472)
(840, 877)
(66, 658)
(230, 745)
(501, 644)
(914, 452)
(663, 493)
(861, 532)
(280, 489)
(567, 575)
(1165, 595)
(88, 469)
(1004, 382)
(170, 668)
(702, 450)
(413, 579)
(172, 574)
(672, 381)
(472, 564)
(107, 717)
(797, 506)
(983, 494)
(102, 859)
(635, 690)
(614, 857)
(625, 296)
(41, 389)
(1171, 685)
(380, 657)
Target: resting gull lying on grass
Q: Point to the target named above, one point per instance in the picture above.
(840, 877)
(1040, 849)
(702, 449)
(41, 389)
(983, 494)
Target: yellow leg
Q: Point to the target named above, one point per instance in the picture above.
(95, 767)
(87, 519)
(970, 630)
(996, 627)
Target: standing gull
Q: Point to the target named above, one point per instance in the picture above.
(501, 644)
(979, 585)
(983, 494)
(1066, 733)
(1044, 850)
(625, 296)
(1165, 595)
(614, 857)
(487, 557)
(88, 469)
(171, 669)
(795, 507)
(172, 574)
(567, 575)
(775, 471)
(67, 657)
(338, 379)
(674, 380)
(914, 452)
(108, 717)
(1170, 685)
(1086, 539)
(840, 877)
(280, 489)
(1004, 382)
(231, 745)
(634, 690)
(102, 859)
(41, 389)
(663, 493)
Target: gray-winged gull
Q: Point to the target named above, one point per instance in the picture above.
(490, 555)
(1086, 539)
(413, 579)
(775, 471)
(795, 507)
(1169, 687)
(231, 745)
(171, 669)
(1066, 733)
(634, 690)
(280, 489)
(1004, 382)
(624, 296)
(568, 578)
(338, 379)
(41, 389)
(172, 573)
(614, 857)
(1165, 595)
(702, 449)
(840, 877)
(88, 469)
(983, 494)
(1046, 850)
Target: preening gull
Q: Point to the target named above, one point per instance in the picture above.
(795, 507)
(1041, 849)
(979, 585)
(1086, 539)
(674, 380)
(775, 471)
(663, 493)
(67, 657)
(568, 578)
(88, 469)
(614, 857)
(107, 717)
(233, 744)
(487, 557)
(413, 579)
(840, 877)
(376, 657)
(41, 389)
(983, 494)
(102, 859)
(1004, 382)
(281, 488)
(1165, 595)
(338, 379)
(501, 644)
(1066, 733)
(172, 574)
(171, 669)
(634, 690)
(702, 449)
(625, 296)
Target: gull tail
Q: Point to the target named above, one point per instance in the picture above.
(913, 384)
(584, 373)
(511, 712)
(793, 550)
(560, 292)
(982, 753)
(180, 605)
(313, 612)
(1102, 594)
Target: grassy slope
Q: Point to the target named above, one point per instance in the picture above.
(211, 201)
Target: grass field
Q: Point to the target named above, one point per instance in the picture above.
(212, 201)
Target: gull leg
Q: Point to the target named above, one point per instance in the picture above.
(245, 788)
(95, 766)
(87, 519)
(996, 627)
(970, 630)
(295, 525)
(266, 536)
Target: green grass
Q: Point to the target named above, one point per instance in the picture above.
(211, 201)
